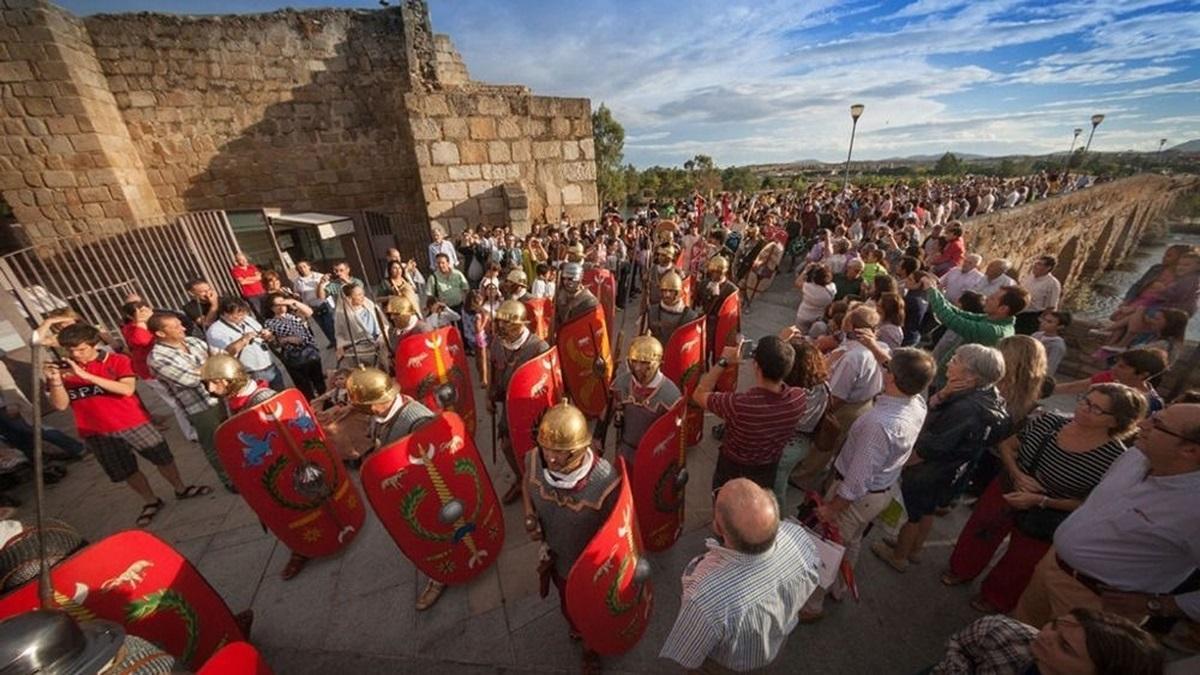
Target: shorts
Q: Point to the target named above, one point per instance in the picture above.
(115, 451)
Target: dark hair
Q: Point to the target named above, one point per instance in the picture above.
(819, 274)
(347, 289)
(882, 285)
(542, 268)
(1117, 646)
(194, 282)
(908, 265)
(1148, 362)
(271, 298)
(1176, 324)
(129, 309)
(77, 334)
(230, 304)
(971, 301)
(157, 319)
(440, 256)
(1014, 298)
(891, 309)
(270, 274)
(1064, 318)
(774, 357)
(1048, 260)
(395, 263)
(808, 367)
(912, 369)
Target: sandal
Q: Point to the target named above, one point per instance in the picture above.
(192, 491)
(948, 579)
(149, 511)
(294, 565)
(433, 591)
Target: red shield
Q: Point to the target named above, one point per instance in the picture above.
(541, 316)
(683, 361)
(238, 658)
(432, 368)
(729, 324)
(137, 580)
(686, 293)
(433, 494)
(611, 608)
(535, 386)
(603, 285)
(278, 458)
(587, 361)
(658, 479)
(776, 234)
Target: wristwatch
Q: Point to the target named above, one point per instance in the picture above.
(1155, 605)
(723, 362)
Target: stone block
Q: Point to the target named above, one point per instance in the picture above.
(582, 128)
(467, 209)
(472, 152)
(90, 195)
(587, 146)
(492, 105)
(570, 150)
(444, 153)
(455, 128)
(572, 194)
(579, 171)
(482, 128)
(426, 129)
(15, 71)
(491, 205)
(40, 107)
(478, 187)
(452, 191)
(436, 208)
(465, 172)
(422, 154)
(498, 152)
(508, 127)
(36, 127)
(560, 127)
(59, 179)
(546, 150)
(522, 150)
(62, 125)
(141, 99)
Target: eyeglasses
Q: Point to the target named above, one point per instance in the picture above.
(1092, 407)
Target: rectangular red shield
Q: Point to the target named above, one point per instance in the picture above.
(659, 478)
(583, 344)
(729, 325)
(541, 316)
(432, 368)
(683, 363)
(535, 385)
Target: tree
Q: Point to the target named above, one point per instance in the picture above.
(609, 136)
(948, 165)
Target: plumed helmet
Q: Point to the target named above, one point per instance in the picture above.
(225, 367)
(671, 281)
(370, 386)
(512, 311)
(572, 270)
(564, 428)
(717, 263)
(400, 305)
(645, 348)
(518, 278)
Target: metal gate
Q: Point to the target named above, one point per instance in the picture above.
(93, 275)
(411, 240)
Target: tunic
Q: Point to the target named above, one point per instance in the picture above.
(570, 518)
(637, 407)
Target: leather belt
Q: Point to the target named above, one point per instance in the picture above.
(838, 474)
(1091, 583)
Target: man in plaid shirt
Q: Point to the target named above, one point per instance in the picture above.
(175, 359)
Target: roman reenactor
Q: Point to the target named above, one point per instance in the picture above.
(516, 286)
(671, 312)
(406, 320)
(572, 299)
(711, 295)
(747, 252)
(513, 346)
(664, 261)
(640, 395)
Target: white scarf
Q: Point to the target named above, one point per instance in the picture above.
(676, 308)
(516, 344)
(662, 269)
(397, 404)
(570, 480)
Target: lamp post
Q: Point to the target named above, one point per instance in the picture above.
(1096, 120)
(1161, 143)
(856, 111)
(1067, 162)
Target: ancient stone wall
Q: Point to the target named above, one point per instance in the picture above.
(1089, 231)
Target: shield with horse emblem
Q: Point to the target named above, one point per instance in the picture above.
(683, 363)
(659, 477)
(277, 456)
(433, 494)
(587, 361)
(535, 385)
(432, 368)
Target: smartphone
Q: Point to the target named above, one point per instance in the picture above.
(746, 349)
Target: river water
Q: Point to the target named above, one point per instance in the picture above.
(1105, 293)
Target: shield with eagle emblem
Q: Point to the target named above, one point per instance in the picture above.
(432, 368)
(683, 363)
(587, 361)
(534, 386)
(433, 494)
(609, 595)
(659, 476)
(278, 457)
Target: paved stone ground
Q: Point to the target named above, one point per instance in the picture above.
(354, 612)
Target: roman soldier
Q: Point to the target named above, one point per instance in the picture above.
(664, 262)
(640, 395)
(711, 296)
(516, 286)
(406, 320)
(394, 416)
(575, 253)
(514, 345)
(670, 313)
(572, 299)
(747, 252)
(569, 492)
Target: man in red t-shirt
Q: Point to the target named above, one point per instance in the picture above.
(250, 281)
(139, 340)
(99, 389)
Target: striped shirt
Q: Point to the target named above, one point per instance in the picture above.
(878, 444)
(759, 422)
(1065, 475)
(738, 609)
(179, 370)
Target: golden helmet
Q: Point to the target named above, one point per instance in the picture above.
(401, 305)
(717, 263)
(752, 231)
(517, 277)
(368, 386)
(671, 281)
(512, 311)
(645, 348)
(575, 251)
(667, 250)
(564, 428)
(225, 367)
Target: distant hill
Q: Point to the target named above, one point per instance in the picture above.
(1189, 147)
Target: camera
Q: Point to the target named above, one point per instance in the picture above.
(746, 349)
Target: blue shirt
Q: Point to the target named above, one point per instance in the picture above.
(878, 444)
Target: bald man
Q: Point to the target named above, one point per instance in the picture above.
(741, 598)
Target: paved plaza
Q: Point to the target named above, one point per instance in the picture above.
(354, 612)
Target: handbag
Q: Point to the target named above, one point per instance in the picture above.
(1039, 522)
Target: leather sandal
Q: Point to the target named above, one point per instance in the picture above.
(294, 566)
(429, 596)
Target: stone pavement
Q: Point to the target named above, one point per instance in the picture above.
(354, 612)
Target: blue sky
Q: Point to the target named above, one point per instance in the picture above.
(770, 81)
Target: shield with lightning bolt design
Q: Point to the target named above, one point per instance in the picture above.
(603, 285)
(535, 385)
(278, 457)
(587, 361)
(432, 493)
(432, 368)
(137, 580)
(683, 363)
(609, 595)
(659, 476)
(729, 324)
(541, 316)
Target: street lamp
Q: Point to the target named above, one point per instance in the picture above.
(1096, 120)
(1161, 143)
(856, 111)
(1067, 162)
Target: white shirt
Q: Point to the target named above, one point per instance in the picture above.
(955, 282)
(444, 246)
(306, 288)
(1137, 532)
(856, 375)
(542, 289)
(1044, 291)
(988, 287)
(255, 355)
(814, 301)
(878, 444)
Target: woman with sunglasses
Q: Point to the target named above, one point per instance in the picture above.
(1051, 466)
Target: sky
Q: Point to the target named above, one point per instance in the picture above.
(772, 81)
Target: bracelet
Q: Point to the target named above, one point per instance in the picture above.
(1042, 504)
(55, 384)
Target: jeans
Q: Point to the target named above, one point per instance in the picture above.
(19, 434)
(795, 451)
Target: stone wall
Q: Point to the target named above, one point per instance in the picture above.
(118, 120)
(1089, 231)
